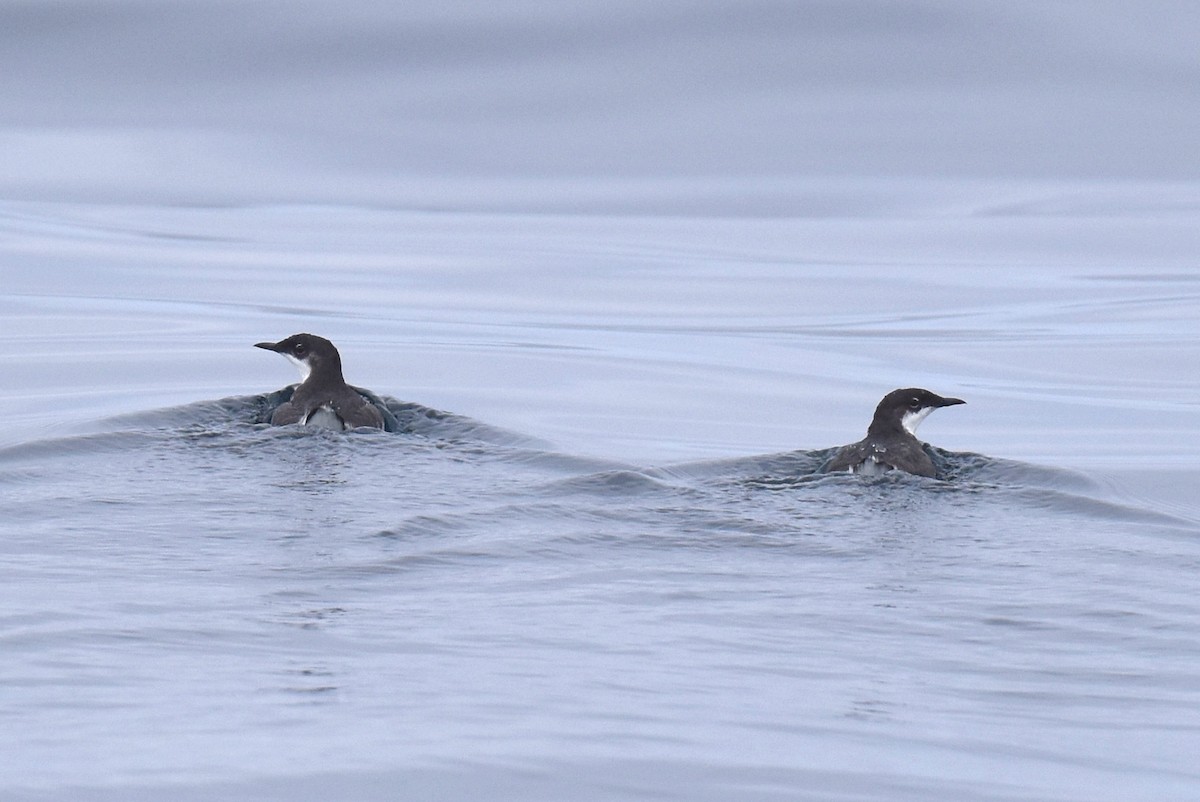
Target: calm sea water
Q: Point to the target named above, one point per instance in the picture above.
(594, 579)
(621, 321)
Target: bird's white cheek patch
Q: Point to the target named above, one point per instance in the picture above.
(303, 366)
(912, 420)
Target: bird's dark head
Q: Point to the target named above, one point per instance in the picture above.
(310, 353)
(906, 408)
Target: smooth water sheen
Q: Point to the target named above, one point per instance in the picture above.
(624, 275)
(591, 587)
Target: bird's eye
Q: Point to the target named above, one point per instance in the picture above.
(914, 403)
(300, 349)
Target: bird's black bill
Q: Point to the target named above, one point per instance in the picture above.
(949, 402)
(268, 346)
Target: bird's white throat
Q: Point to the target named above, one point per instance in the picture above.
(912, 420)
(301, 364)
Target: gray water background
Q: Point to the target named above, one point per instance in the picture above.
(652, 259)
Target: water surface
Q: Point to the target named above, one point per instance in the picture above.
(624, 278)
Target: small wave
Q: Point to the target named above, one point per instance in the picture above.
(958, 467)
(625, 483)
(783, 467)
(80, 444)
(974, 478)
(209, 418)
